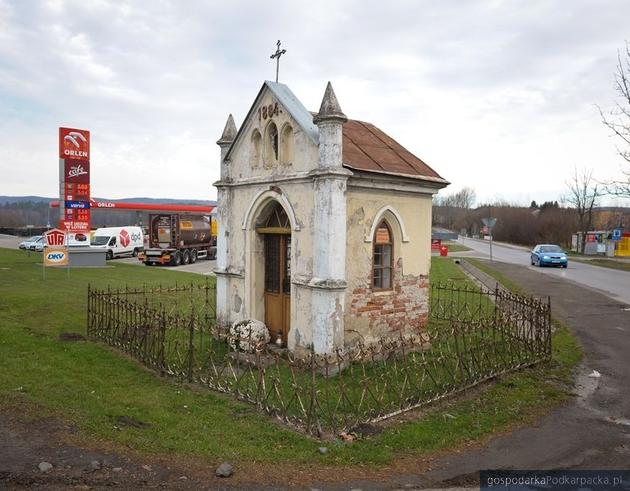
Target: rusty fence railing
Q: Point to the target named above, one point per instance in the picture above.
(472, 336)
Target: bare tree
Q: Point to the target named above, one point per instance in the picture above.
(583, 196)
(618, 120)
(464, 198)
(450, 211)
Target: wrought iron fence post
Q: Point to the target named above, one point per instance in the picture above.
(311, 408)
(548, 328)
(191, 346)
(162, 328)
(496, 306)
(89, 314)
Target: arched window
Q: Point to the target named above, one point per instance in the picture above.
(271, 144)
(256, 144)
(286, 145)
(383, 258)
(278, 218)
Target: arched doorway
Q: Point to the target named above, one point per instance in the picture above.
(276, 234)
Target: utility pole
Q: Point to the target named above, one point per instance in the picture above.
(490, 230)
(489, 223)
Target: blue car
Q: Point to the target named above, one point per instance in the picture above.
(549, 255)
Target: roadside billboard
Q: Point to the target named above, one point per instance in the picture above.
(74, 179)
(56, 248)
(56, 256)
(55, 238)
(74, 144)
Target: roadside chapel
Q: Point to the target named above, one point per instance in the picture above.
(324, 226)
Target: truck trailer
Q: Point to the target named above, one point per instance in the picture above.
(175, 238)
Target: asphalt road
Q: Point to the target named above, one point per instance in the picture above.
(613, 283)
(202, 266)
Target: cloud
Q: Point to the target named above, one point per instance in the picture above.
(486, 92)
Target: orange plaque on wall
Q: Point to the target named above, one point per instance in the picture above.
(382, 236)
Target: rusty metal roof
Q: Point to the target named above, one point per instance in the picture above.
(367, 148)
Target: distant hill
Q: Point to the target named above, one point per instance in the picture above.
(163, 200)
(21, 211)
(23, 199)
(42, 199)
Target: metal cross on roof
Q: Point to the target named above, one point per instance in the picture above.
(277, 56)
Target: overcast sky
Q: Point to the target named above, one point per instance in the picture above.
(497, 95)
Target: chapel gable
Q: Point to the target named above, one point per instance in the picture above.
(277, 138)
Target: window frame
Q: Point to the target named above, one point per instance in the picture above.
(382, 267)
(257, 148)
(285, 138)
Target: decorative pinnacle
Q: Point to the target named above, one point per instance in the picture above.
(330, 108)
(229, 132)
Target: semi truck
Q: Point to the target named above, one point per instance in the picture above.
(175, 238)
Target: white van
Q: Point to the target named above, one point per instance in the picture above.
(118, 240)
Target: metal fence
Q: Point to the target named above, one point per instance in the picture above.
(472, 336)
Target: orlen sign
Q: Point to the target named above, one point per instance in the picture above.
(74, 144)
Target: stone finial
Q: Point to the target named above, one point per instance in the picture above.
(330, 108)
(229, 132)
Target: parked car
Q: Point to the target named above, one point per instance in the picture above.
(38, 245)
(26, 244)
(549, 255)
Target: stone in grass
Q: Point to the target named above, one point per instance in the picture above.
(71, 336)
(45, 466)
(323, 450)
(224, 470)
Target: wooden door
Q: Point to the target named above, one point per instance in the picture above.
(278, 285)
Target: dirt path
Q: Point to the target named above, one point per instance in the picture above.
(27, 444)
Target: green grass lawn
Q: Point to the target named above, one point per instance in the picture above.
(456, 247)
(91, 386)
(603, 262)
(500, 277)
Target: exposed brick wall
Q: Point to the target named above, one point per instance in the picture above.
(404, 308)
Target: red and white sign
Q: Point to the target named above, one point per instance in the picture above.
(74, 179)
(75, 225)
(74, 144)
(124, 238)
(55, 238)
(435, 245)
(76, 171)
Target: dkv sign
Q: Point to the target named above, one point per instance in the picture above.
(56, 257)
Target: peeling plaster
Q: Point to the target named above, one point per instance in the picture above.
(237, 302)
